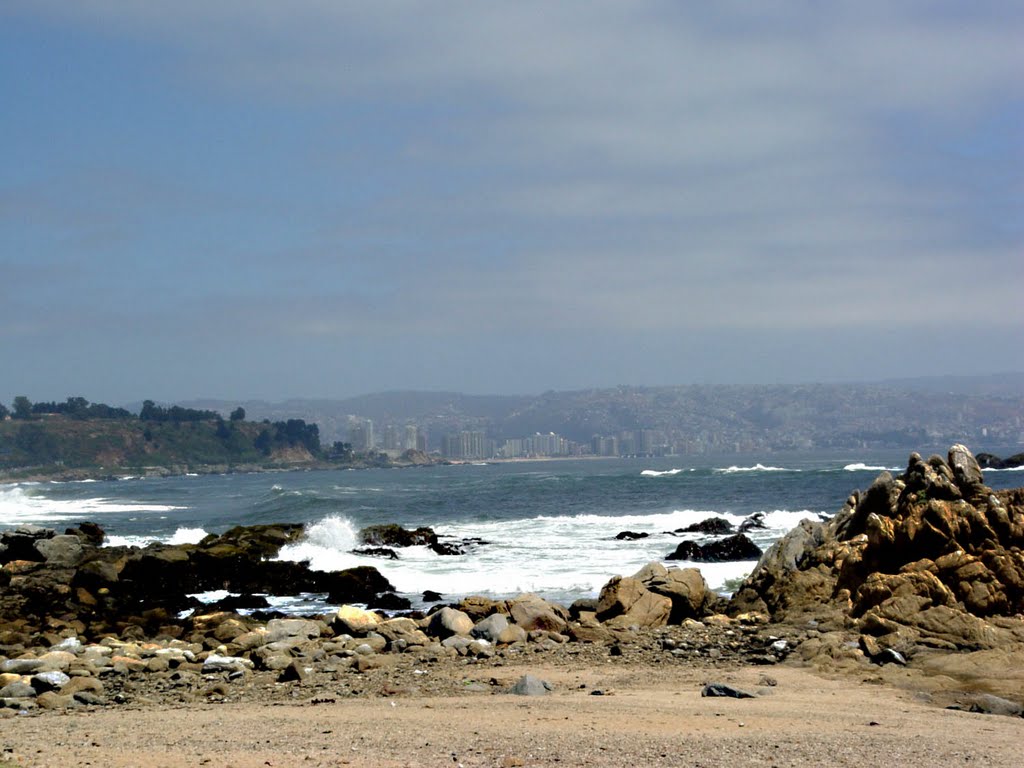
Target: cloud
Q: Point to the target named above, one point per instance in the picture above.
(642, 165)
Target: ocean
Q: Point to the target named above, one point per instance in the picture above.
(547, 527)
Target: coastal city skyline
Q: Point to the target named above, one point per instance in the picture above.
(266, 201)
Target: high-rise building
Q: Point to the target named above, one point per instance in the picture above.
(360, 435)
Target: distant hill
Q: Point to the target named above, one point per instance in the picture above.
(996, 384)
(984, 411)
(167, 440)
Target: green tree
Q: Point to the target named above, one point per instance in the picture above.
(22, 407)
(263, 442)
(238, 414)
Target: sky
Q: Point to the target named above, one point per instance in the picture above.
(322, 198)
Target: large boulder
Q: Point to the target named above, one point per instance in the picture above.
(685, 587)
(447, 622)
(532, 612)
(625, 602)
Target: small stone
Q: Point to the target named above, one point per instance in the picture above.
(528, 685)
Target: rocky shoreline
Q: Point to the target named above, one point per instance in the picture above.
(918, 582)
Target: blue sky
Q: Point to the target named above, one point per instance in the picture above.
(270, 200)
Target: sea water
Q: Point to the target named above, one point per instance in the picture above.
(547, 527)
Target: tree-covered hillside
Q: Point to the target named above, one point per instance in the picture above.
(77, 434)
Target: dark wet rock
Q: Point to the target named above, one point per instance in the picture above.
(630, 535)
(389, 601)
(356, 585)
(754, 522)
(723, 690)
(385, 552)
(889, 656)
(737, 547)
(990, 461)
(447, 548)
(429, 596)
(236, 602)
(713, 526)
(394, 535)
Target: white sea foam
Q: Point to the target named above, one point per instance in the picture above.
(756, 468)
(187, 536)
(128, 541)
(213, 596)
(1007, 469)
(564, 556)
(862, 467)
(657, 473)
(24, 503)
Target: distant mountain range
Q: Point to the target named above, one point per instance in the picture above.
(986, 412)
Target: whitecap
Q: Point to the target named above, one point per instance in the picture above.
(29, 504)
(756, 468)
(862, 467)
(657, 473)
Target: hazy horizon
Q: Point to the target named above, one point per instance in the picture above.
(263, 201)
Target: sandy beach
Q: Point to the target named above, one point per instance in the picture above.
(600, 712)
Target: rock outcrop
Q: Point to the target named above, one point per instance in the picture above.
(929, 559)
(105, 589)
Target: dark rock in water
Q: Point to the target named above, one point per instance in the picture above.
(723, 690)
(429, 596)
(389, 601)
(236, 602)
(446, 548)
(457, 548)
(376, 552)
(754, 522)
(356, 585)
(737, 547)
(630, 536)
(393, 535)
(990, 461)
(713, 526)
